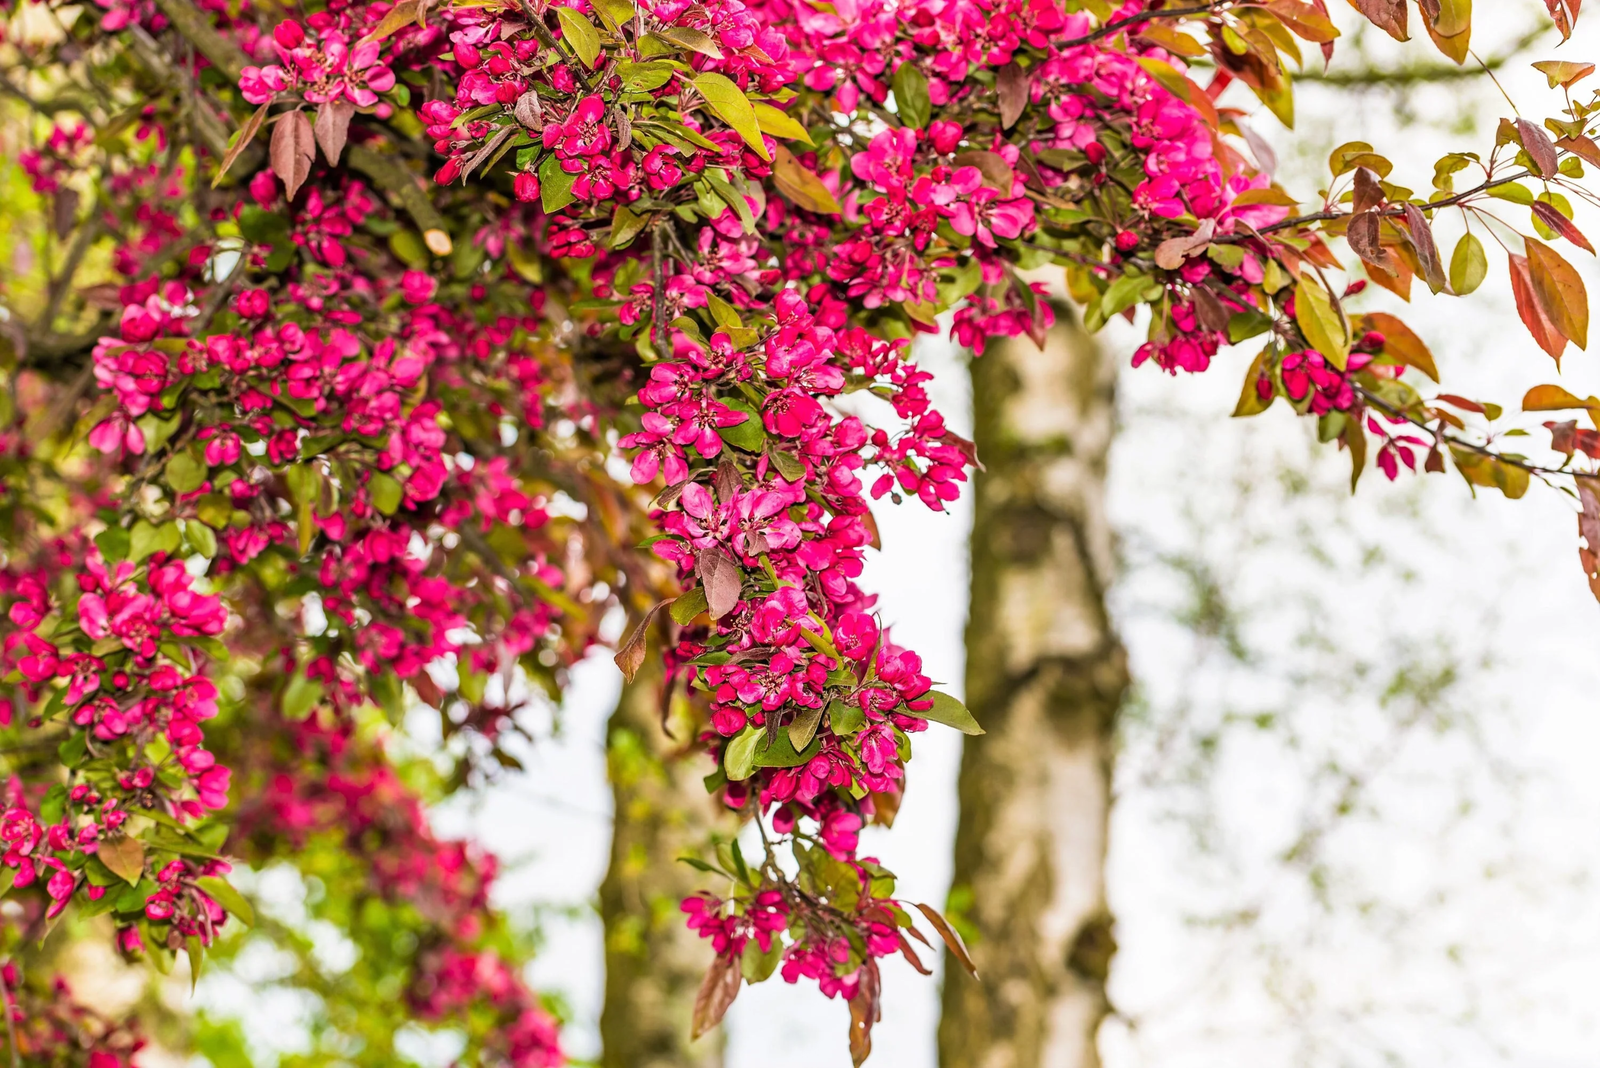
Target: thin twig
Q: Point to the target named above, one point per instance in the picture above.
(1111, 29)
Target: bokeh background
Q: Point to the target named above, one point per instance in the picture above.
(1358, 812)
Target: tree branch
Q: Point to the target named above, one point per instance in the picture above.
(1111, 29)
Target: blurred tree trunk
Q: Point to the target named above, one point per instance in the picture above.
(1045, 676)
(654, 964)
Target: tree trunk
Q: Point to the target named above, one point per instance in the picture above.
(1045, 676)
(654, 964)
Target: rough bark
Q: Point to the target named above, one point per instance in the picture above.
(1045, 676)
(654, 964)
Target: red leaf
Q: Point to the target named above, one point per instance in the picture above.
(866, 1009)
(333, 128)
(1427, 250)
(1544, 331)
(1561, 291)
(1582, 147)
(1540, 148)
(1388, 15)
(958, 948)
(1551, 217)
(720, 575)
(293, 148)
(630, 654)
(1368, 192)
(247, 134)
(716, 995)
(1012, 85)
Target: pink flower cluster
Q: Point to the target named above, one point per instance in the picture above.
(320, 66)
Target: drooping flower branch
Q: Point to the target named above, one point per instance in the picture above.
(688, 242)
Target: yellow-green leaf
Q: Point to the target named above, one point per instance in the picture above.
(779, 124)
(580, 35)
(731, 106)
(1561, 292)
(801, 186)
(1468, 265)
(124, 856)
(1323, 326)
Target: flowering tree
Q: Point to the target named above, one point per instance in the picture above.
(295, 440)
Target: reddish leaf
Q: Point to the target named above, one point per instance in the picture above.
(958, 948)
(1540, 148)
(720, 575)
(1388, 15)
(1012, 85)
(1368, 193)
(1582, 147)
(293, 148)
(911, 955)
(1560, 290)
(1427, 249)
(801, 186)
(1400, 342)
(1563, 73)
(1461, 402)
(1363, 237)
(1544, 331)
(124, 856)
(247, 134)
(333, 128)
(630, 654)
(716, 994)
(997, 173)
(1554, 399)
(866, 1009)
(1565, 14)
(1551, 217)
(1589, 530)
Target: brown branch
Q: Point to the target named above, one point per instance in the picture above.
(1111, 29)
(1392, 212)
(1450, 439)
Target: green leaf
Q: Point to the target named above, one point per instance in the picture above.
(1323, 326)
(1123, 294)
(749, 435)
(845, 719)
(758, 965)
(643, 77)
(692, 39)
(113, 543)
(223, 893)
(739, 759)
(74, 750)
(779, 124)
(580, 34)
(54, 804)
(555, 185)
(782, 752)
(804, 727)
(1513, 192)
(911, 96)
(386, 493)
(788, 466)
(734, 199)
(1468, 265)
(688, 606)
(951, 713)
(145, 539)
(300, 697)
(625, 226)
(733, 108)
(185, 474)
